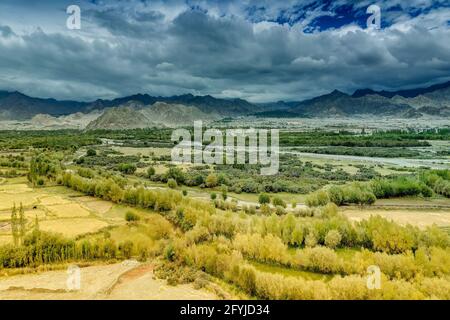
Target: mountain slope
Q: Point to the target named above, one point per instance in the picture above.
(412, 93)
(123, 117)
(134, 115)
(339, 104)
(17, 106)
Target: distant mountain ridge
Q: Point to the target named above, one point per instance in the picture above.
(17, 106)
(411, 93)
(430, 101)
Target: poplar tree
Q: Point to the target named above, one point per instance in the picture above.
(14, 225)
(21, 224)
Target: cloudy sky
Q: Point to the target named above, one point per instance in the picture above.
(263, 50)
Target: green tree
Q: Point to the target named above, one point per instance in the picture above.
(151, 172)
(224, 193)
(176, 174)
(127, 168)
(15, 225)
(22, 224)
(264, 198)
(91, 153)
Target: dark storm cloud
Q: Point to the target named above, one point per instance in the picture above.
(6, 31)
(212, 47)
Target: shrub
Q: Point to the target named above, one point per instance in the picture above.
(279, 210)
(176, 174)
(211, 181)
(277, 201)
(323, 260)
(213, 196)
(264, 198)
(169, 252)
(126, 249)
(317, 199)
(127, 168)
(336, 195)
(224, 193)
(40, 182)
(388, 236)
(333, 239)
(130, 216)
(151, 172)
(311, 240)
(172, 184)
(265, 209)
(91, 153)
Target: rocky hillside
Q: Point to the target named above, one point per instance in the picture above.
(134, 115)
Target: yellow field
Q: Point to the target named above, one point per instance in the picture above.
(99, 206)
(70, 210)
(72, 227)
(7, 200)
(418, 217)
(5, 239)
(58, 210)
(51, 200)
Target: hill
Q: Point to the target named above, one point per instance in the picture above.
(134, 115)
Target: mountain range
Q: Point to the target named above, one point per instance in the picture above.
(415, 103)
(143, 110)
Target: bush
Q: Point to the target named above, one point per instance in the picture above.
(130, 216)
(277, 201)
(151, 172)
(311, 240)
(169, 253)
(185, 193)
(224, 193)
(40, 182)
(264, 198)
(317, 199)
(211, 181)
(323, 260)
(91, 153)
(176, 174)
(213, 196)
(279, 210)
(265, 209)
(333, 239)
(127, 168)
(387, 236)
(126, 249)
(172, 184)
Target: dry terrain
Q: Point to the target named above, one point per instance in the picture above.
(128, 280)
